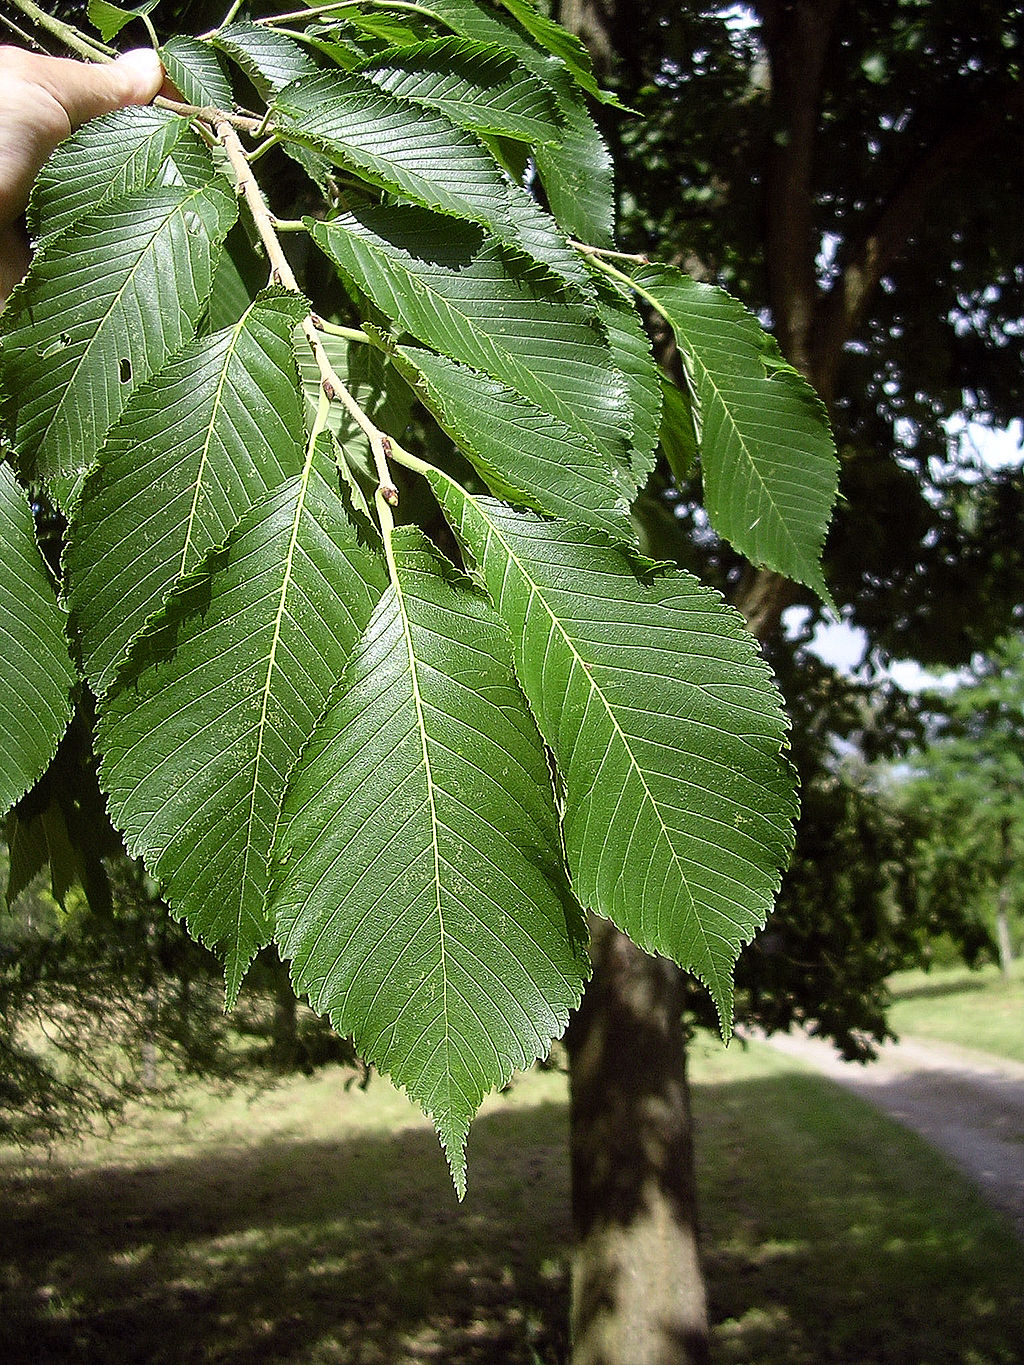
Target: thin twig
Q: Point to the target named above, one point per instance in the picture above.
(281, 273)
(588, 250)
(92, 51)
(335, 329)
(310, 12)
(209, 114)
(27, 38)
(313, 11)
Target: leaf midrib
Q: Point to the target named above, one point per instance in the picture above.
(262, 725)
(537, 592)
(434, 821)
(161, 226)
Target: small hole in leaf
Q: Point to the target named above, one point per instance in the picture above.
(125, 371)
(52, 347)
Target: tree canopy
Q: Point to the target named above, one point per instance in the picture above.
(405, 745)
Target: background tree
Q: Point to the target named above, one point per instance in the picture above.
(965, 793)
(847, 170)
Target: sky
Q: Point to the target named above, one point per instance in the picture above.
(843, 647)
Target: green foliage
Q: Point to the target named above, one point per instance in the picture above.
(769, 483)
(964, 791)
(409, 756)
(36, 676)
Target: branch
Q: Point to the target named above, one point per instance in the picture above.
(797, 37)
(91, 50)
(884, 242)
(207, 113)
(281, 272)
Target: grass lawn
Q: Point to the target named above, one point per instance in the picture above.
(317, 1226)
(976, 1009)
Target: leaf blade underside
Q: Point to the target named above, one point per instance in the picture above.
(216, 427)
(102, 307)
(463, 296)
(418, 883)
(768, 460)
(665, 726)
(197, 745)
(36, 675)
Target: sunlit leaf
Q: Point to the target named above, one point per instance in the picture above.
(665, 726)
(198, 742)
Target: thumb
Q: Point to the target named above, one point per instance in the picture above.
(88, 91)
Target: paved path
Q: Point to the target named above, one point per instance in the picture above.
(967, 1104)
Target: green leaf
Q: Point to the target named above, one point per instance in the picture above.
(631, 353)
(101, 309)
(107, 157)
(418, 880)
(195, 68)
(576, 171)
(60, 853)
(678, 435)
(666, 728)
(373, 29)
(419, 154)
(270, 59)
(477, 85)
(196, 748)
(767, 456)
(394, 144)
(561, 44)
(36, 674)
(200, 443)
(522, 453)
(110, 19)
(464, 296)
(28, 852)
(238, 278)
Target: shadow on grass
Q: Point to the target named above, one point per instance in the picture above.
(829, 1240)
(354, 1252)
(935, 990)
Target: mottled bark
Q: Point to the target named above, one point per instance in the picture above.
(637, 1286)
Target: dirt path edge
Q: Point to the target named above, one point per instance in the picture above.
(968, 1105)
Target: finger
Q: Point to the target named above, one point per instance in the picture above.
(86, 91)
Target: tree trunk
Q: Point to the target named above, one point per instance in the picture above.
(1003, 942)
(637, 1287)
(285, 1025)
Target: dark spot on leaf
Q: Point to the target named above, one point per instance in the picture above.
(125, 371)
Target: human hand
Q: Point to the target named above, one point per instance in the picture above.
(42, 100)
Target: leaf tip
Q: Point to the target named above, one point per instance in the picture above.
(453, 1142)
(236, 966)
